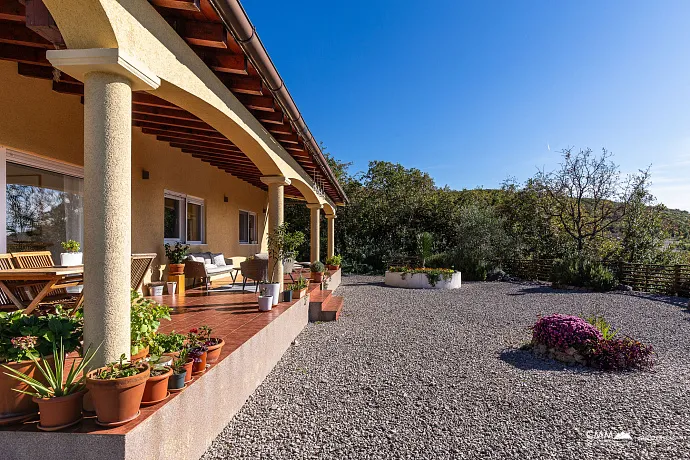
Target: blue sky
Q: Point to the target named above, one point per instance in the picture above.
(474, 92)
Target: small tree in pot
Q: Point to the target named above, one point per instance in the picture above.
(176, 256)
(277, 254)
(317, 268)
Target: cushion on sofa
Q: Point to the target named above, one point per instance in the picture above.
(218, 259)
(261, 255)
(219, 270)
(196, 256)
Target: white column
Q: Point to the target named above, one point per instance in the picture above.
(107, 213)
(109, 78)
(330, 249)
(276, 213)
(315, 231)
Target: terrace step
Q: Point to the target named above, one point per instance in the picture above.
(331, 309)
(324, 306)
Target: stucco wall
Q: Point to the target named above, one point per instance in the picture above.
(36, 119)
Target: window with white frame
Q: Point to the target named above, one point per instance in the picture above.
(184, 218)
(247, 227)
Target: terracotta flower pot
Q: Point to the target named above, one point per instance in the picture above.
(213, 352)
(141, 354)
(317, 277)
(60, 412)
(176, 269)
(117, 401)
(299, 294)
(333, 268)
(16, 406)
(156, 388)
(200, 365)
(188, 367)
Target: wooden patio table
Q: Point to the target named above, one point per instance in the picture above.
(49, 277)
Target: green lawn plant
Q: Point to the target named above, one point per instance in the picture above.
(57, 383)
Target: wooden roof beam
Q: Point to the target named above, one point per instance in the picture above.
(262, 103)
(224, 61)
(183, 5)
(172, 122)
(12, 10)
(275, 118)
(18, 34)
(242, 84)
(170, 130)
(208, 34)
(164, 112)
(25, 54)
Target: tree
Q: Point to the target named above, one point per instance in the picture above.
(585, 195)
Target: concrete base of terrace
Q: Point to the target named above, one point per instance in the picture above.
(185, 426)
(420, 281)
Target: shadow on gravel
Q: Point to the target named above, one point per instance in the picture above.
(681, 302)
(526, 361)
(545, 290)
(348, 281)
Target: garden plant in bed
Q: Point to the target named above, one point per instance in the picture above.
(591, 342)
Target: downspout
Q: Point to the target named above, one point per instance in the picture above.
(236, 20)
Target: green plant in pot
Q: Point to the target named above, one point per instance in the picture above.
(181, 367)
(277, 255)
(117, 390)
(146, 316)
(333, 263)
(24, 338)
(72, 255)
(317, 268)
(299, 287)
(156, 388)
(176, 256)
(167, 344)
(197, 350)
(59, 395)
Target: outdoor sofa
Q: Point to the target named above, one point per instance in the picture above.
(208, 265)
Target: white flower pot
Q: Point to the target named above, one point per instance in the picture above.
(265, 302)
(171, 287)
(74, 289)
(71, 259)
(156, 289)
(273, 290)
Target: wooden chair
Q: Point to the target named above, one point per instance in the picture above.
(35, 259)
(141, 263)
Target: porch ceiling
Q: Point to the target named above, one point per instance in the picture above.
(197, 22)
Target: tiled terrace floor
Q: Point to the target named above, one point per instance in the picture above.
(233, 316)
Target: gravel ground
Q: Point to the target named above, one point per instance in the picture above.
(437, 374)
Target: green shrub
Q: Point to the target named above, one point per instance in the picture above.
(578, 270)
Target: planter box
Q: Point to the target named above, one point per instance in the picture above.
(420, 281)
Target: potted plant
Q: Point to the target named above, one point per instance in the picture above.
(59, 396)
(146, 316)
(178, 379)
(278, 253)
(21, 338)
(176, 256)
(333, 263)
(167, 344)
(214, 344)
(198, 351)
(265, 299)
(71, 256)
(117, 389)
(317, 268)
(156, 388)
(287, 294)
(299, 287)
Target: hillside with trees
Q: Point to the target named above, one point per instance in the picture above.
(584, 209)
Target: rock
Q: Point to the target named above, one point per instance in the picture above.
(624, 288)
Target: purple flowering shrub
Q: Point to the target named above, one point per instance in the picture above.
(621, 354)
(565, 331)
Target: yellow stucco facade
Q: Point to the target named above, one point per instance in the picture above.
(40, 121)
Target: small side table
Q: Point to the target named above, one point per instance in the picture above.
(179, 279)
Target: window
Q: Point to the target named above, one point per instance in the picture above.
(184, 218)
(43, 203)
(247, 227)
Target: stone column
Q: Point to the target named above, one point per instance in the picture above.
(330, 250)
(109, 78)
(315, 231)
(107, 214)
(276, 217)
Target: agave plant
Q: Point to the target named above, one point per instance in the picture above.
(57, 383)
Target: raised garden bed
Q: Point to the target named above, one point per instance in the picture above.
(420, 278)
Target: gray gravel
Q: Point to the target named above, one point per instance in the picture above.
(437, 374)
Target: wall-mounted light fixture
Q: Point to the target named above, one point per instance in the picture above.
(145, 174)
(225, 199)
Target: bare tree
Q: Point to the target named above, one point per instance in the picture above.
(586, 195)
